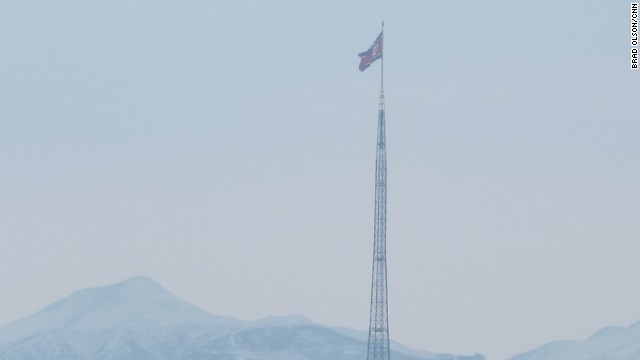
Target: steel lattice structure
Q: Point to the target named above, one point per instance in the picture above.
(378, 347)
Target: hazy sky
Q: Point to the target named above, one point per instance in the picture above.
(226, 149)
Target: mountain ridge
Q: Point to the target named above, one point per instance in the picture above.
(103, 306)
(608, 343)
(138, 319)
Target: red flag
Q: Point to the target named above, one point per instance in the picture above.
(374, 53)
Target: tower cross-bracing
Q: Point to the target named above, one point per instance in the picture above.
(378, 348)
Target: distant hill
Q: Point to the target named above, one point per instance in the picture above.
(611, 343)
(138, 319)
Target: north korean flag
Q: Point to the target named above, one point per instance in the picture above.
(374, 53)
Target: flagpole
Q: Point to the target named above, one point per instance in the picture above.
(381, 101)
(382, 64)
(378, 345)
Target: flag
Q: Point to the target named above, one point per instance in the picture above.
(374, 53)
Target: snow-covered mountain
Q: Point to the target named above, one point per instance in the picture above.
(610, 343)
(138, 319)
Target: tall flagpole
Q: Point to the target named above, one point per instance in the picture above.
(382, 65)
(378, 346)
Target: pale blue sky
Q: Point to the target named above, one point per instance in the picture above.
(226, 149)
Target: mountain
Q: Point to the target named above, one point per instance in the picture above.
(138, 319)
(610, 343)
